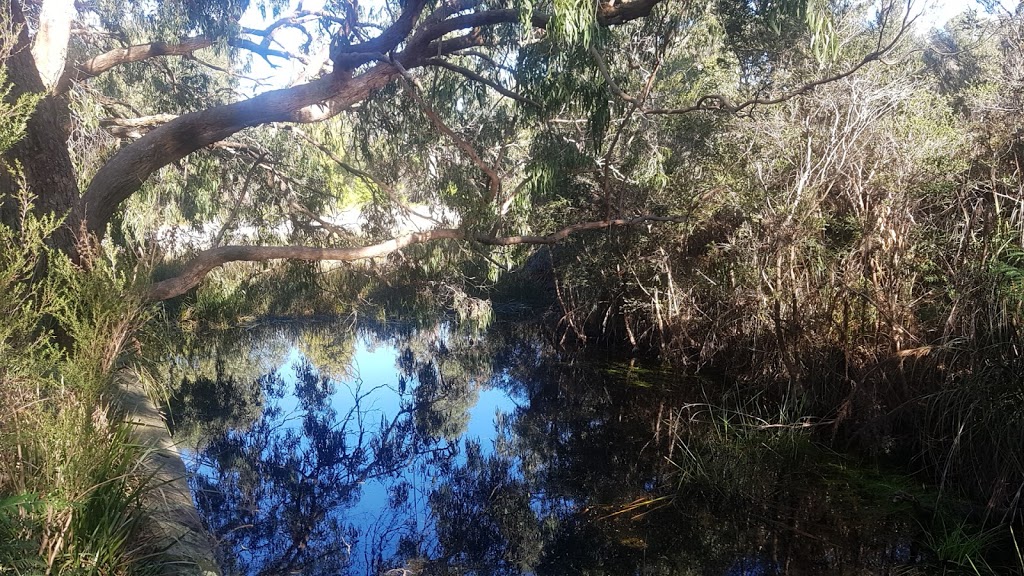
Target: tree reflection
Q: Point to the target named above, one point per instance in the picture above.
(600, 469)
(484, 521)
(276, 494)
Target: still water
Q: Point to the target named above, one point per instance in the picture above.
(342, 449)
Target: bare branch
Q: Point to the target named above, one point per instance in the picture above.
(351, 57)
(100, 64)
(207, 260)
(187, 47)
(314, 101)
(265, 50)
(135, 127)
(607, 75)
(223, 70)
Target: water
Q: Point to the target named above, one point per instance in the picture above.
(343, 450)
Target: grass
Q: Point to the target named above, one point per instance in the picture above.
(756, 453)
(959, 546)
(73, 492)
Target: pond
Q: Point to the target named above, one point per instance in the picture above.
(340, 448)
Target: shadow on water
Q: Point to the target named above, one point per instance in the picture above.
(336, 448)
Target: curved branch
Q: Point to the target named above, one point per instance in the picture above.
(207, 260)
(607, 75)
(100, 64)
(124, 174)
(294, 20)
(351, 57)
(316, 100)
(427, 41)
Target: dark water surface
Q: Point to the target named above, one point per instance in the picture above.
(334, 449)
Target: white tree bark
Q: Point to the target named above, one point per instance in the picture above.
(50, 46)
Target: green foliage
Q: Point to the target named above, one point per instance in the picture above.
(93, 490)
(25, 345)
(13, 115)
(1008, 268)
(825, 40)
(20, 554)
(69, 481)
(959, 546)
(16, 114)
(574, 21)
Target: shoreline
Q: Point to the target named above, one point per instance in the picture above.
(175, 518)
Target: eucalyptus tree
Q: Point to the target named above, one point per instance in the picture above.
(521, 121)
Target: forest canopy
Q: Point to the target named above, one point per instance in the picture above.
(496, 123)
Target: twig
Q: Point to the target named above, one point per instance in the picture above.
(474, 76)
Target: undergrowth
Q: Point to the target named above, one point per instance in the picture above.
(70, 479)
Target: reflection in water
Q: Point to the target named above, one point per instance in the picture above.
(440, 452)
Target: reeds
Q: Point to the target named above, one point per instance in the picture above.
(861, 249)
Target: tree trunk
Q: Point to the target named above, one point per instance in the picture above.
(42, 156)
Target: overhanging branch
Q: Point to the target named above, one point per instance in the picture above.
(208, 260)
(314, 101)
(108, 60)
(481, 79)
(124, 174)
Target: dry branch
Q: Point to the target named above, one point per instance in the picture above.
(207, 260)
